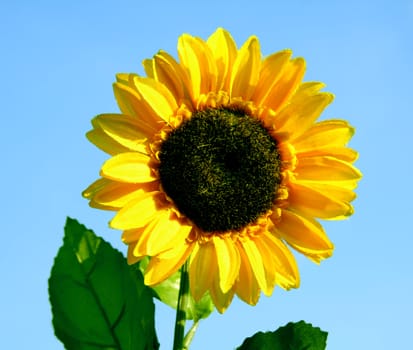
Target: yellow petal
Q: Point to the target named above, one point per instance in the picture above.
(137, 213)
(326, 169)
(148, 232)
(116, 194)
(203, 268)
(130, 167)
(126, 79)
(306, 89)
(221, 300)
(285, 265)
(254, 257)
(156, 99)
(327, 138)
(124, 130)
(342, 153)
(246, 286)
(325, 203)
(160, 267)
(103, 141)
(131, 237)
(130, 103)
(305, 235)
(224, 51)
(228, 262)
(271, 71)
(130, 257)
(332, 133)
(298, 116)
(95, 187)
(180, 235)
(268, 263)
(287, 84)
(279, 263)
(162, 234)
(148, 66)
(133, 104)
(170, 73)
(246, 70)
(196, 58)
(93, 191)
(95, 205)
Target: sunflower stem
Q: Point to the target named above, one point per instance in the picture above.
(190, 335)
(181, 309)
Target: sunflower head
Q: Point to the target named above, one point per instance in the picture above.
(217, 159)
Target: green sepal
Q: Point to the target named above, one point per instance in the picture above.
(98, 300)
(168, 292)
(298, 336)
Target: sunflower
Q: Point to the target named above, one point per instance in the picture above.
(217, 159)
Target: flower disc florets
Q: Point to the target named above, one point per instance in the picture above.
(221, 168)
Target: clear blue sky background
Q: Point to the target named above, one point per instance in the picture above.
(58, 60)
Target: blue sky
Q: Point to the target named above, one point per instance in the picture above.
(58, 61)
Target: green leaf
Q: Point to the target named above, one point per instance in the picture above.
(293, 336)
(168, 292)
(98, 301)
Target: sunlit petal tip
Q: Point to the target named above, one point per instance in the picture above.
(308, 88)
(320, 256)
(125, 78)
(96, 205)
(94, 187)
(355, 157)
(94, 121)
(282, 53)
(148, 67)
(351, 129)
(328, 96)
(221, 31)
(299, 62)
(122, 77)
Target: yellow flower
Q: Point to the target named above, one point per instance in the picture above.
(218, 158)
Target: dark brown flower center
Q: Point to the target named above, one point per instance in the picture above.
(221, 168)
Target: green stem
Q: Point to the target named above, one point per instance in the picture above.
(181, 309)
(190, 335)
